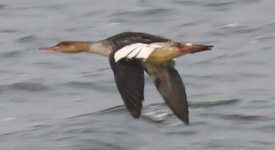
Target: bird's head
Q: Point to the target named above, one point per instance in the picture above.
(68, 47)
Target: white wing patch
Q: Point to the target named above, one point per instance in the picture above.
(137, 50)
(189, 44)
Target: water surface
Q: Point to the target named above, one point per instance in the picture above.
(54, 101)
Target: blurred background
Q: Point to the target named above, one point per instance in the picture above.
(55, 101)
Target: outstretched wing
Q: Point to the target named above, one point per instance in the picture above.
(169, 84)
(129, 78)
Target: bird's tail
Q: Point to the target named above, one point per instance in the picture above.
(193, 48)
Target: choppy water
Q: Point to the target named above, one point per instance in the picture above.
(54, 101)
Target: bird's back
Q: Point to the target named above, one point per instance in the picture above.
(127, 38)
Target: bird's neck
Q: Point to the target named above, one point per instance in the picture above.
(100, 48)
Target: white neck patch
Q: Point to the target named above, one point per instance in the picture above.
(136, 50)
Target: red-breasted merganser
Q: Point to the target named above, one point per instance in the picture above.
(132, 53)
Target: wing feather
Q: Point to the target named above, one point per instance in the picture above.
(170, 86)
(129, 78)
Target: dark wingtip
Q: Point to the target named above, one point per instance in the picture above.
(209, 46)
(184, 118)
(186, 122)
(204, 47)
(135, 113)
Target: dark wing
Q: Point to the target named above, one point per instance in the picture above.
(169, 84)
(129, 78)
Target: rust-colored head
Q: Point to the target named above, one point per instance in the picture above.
(68, 47)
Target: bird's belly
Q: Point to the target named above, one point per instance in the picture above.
(160, 55)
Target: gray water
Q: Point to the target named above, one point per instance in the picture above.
(55, 101)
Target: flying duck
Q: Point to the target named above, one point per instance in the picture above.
(133, 53)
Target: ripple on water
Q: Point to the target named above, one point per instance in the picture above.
(11, 54)
(144, 12)
(217, 103)
(8, 30)
(114, 128)
(27, 38)
(235, 29)
(219, 4)
(138, 16)
(2, 6)
(99, 85)
(111, 130)
(29, 86)
(243, 117)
